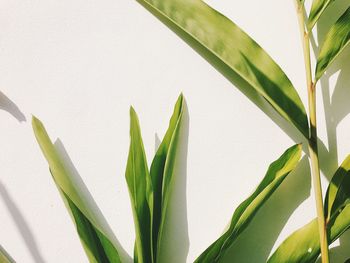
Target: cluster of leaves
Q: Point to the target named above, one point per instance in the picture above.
(149, 193)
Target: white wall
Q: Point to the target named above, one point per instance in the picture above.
(79, 64)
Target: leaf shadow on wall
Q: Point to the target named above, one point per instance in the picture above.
(336, 108)
(22, 225)
(77, 181)
(176, 239)
(254, 245)
(8, 105)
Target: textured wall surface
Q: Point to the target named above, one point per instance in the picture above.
(79, 64)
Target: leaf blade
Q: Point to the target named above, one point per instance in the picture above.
(317, 9)
(100, 248)
(141, 192)
(245, 212)
(4, 256)
(162, 169)
(225, 40)
(337, 38)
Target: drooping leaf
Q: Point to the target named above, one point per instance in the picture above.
(94, 237)
(141, 192)
(162, 170)
(336, 40)
(245, 212)
(4, 256)
(317, 8)
(234, 49)
(303, 245)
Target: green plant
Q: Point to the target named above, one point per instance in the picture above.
(150, 192)
(238, 56)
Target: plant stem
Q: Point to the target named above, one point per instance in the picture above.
(313, 149)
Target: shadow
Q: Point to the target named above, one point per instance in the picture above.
(21, 225)
(87, 197)
(262, 234)
(336, 107)
(176, 240)
(5, 257)
(8, 105)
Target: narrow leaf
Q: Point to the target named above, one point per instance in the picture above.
(94, 237)
(141, 192)
(162, 171)
(220, 37)
(303, 245)
(337, 38)
(245, 212)
(317, 8)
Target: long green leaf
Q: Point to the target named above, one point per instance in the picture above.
(317, 8)
(94, 237)
(336, 40)
(245, 212)
(141, 192)
(162, 170)
(303, 245)
(234, 49)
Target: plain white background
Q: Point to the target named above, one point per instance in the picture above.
(78, 65)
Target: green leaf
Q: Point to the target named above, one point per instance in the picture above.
(245, 212)
(317, 8)
(303, 245)
(337, 38)
(93, 235)
(217, 35)
(162, 172)
(141, 192)
(4, 256)
(338, 192)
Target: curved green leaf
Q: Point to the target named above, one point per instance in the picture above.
(93, 235)
(222, 38)
(337, 38)
(162, 171)
(317, 8)
(303, 245)
(141, 192)
(245, 212)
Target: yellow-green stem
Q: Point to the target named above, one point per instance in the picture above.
(313, 151)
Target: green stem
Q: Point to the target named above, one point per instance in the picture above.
(313, 151)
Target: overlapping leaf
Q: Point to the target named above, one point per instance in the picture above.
(336, 40)
(234, 49)
(317, 8)
(141, 192)
(303, 245)
(94, 237)
(245, 212)
(150, 191)
(162, 171)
